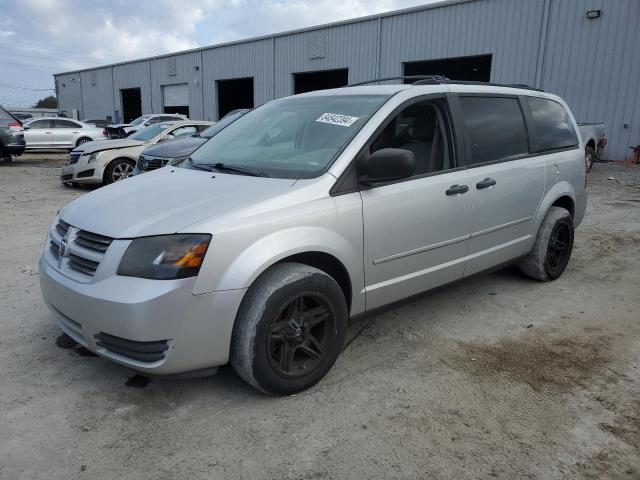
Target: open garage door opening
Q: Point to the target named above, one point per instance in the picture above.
(310, 81)
(131, 104)
(476, 68)
(175, 99)
(234, 94)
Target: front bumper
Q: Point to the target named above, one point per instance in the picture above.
(195, 328)
(82, 172)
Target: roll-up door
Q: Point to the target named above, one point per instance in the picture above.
(176, 95)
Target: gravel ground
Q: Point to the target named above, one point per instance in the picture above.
(494, 377)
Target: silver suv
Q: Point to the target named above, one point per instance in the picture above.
(308, 212)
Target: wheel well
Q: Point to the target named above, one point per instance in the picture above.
(591, 143)
(329, 265)
(565, 202)
(82, 138)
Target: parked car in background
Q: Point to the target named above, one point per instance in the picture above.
(109, 161)
(12, 141)
(594, 139)
(98, 122)
(157, 156)
(55, 132)
(310, 211)
(123, 130)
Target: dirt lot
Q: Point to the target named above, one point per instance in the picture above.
(495, 377)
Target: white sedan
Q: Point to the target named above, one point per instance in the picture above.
(109, 161)
(55, 132)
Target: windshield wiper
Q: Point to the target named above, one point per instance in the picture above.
(223, 167)
(206, 168)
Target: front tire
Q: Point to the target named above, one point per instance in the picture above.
(289, 330)
(118, 169)
(553, 246)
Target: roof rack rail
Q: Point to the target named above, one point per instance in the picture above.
(441, 79)
(492, 84)
(421, 79)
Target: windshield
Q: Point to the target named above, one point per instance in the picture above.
(295, 137)
(139, 120)
(212, 130)
(149, 132)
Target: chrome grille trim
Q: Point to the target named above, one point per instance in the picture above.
(62, 227)
(93, 241)
(83, 253)
(82, 264)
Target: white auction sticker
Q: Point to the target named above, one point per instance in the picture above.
(337, 119)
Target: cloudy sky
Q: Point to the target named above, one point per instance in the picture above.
(42, 37)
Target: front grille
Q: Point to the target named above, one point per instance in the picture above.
(93, 241)
(74, 157)
(54, 248)
(82, 264)
(83, 250)
(140, 351)
(62, 228)
(146, 164)
(66, 177)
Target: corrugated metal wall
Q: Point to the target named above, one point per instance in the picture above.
(163, 73)
(250, 59)
(132, 75)
(510, 30)
(97, 93)
(353, 46)
(69, 93)
(593, 64)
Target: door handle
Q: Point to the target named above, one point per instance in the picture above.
(457, 189)
(486, 183)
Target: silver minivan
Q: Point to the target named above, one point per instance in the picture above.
(311, 211)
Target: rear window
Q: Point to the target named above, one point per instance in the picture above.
(552, 125)
(4, 115)
(496, 128)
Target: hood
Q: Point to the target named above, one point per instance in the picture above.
(166, 201)
(91, 147)
(180, 147)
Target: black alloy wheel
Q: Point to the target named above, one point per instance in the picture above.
(300, 335)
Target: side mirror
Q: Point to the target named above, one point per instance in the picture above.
(387, 165)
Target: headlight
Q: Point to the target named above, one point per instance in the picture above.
(165, 257)
(93, 157)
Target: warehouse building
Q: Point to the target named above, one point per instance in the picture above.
(587, 51)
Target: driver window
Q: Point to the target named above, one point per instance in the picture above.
(419, 128)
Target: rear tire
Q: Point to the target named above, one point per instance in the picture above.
(589, 157)
(289, 329)
(82, 140)
(553, 246)
(118, 169)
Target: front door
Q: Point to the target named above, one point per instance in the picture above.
(416, 231)
(38, 134)
(507, 184)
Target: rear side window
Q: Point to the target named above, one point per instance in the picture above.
(496, 128)
(552, 125)
(64, 124)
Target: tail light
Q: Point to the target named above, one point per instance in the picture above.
(105, 133)
(16, 128)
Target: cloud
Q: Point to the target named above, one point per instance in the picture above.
(42, 37)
